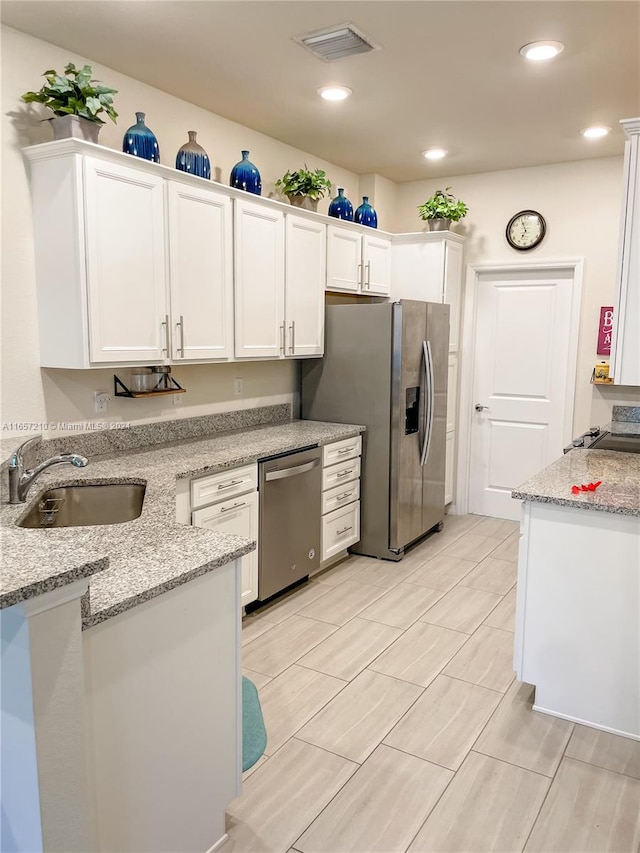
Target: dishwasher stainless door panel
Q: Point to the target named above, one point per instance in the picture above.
(290, 519)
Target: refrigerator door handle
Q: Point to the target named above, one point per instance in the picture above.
(428, 403)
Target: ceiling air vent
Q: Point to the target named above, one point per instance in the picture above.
(337, 42)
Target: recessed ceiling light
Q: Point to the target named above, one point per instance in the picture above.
(434, 153)
(334, 93)
(595, 132)
(539, 51)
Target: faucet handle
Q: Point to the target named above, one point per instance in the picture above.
(16, 460)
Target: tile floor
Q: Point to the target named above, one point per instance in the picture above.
(395, 722)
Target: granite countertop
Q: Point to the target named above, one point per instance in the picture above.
(134, 561)
(619, 472)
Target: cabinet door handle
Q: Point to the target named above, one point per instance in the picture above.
(292, 331)
(282, 334)
(180, 325)
(344, 530)
(229, 508)
(165, 323)
(341, 474)
(229, 484)
(360, 275)
(368, 281)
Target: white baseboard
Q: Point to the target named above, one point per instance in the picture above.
(586, 723)
(218, 844)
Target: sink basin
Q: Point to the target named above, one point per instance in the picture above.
(80, 506)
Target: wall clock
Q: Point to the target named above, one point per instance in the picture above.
(526, 230)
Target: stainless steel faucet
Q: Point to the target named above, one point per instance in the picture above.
(20, 481)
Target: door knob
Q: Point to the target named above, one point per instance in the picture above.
(480, 408)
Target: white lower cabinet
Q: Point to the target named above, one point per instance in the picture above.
(340, 529)
(449, 468)
(340, 496)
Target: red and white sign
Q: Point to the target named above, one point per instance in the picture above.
(604, 330)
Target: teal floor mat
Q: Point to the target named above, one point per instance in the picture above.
(254, 734)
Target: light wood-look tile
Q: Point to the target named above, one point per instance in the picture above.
(497, 528)
(420, 653)
(359, 717)
(491, 575)
(274, 651)
(612, 752)
(461, 523)
(508, 550)
(344, 571)
(402, 605)
(283, 797)
(487, 659)
(346, 652)
(290, 603)
(441, 572)
(461, 609)
(588, 810)
(381, 807)
(504, 616)
(258, 678)
(291, 699)
(252, 627)
(342, 602)
(385, 573)
(445, 721)
(489, 806)
(522, 736)
(471, 546)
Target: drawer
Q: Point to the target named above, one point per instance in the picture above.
(338, 475)
(341, 450)
(340, 529)
(223, 485)
(340, 496)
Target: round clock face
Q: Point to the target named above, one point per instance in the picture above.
(526, 230)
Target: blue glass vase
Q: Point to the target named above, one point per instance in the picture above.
(365, 214)
(192, 158)
(341, 207)
(140, 141)
(245, 176)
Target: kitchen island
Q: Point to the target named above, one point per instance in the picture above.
(578, 596)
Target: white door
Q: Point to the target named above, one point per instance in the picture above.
(344, 259)
(239, 517)
(305, 274)
(125, 252)
(201, 269)
(523, 378)
(259, 290)
(376, 256)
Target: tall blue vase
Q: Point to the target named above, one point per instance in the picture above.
(245, 176)
(341, 207)
(365, 214)
(140, 141)
(192, 158)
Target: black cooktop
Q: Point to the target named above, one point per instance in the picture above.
(623, 443)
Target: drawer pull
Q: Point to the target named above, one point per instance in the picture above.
(341, 474)
(229, 508)
(230, 484)
(344, 530)
(345, 450)
(343, 496)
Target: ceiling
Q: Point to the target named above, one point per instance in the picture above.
(449, 73)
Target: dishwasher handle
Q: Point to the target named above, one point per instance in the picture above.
(292, 472)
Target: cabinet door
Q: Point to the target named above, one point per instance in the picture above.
(452, 392)
(259, 290)
(305, 275)
(125, 250)
(449, 467)
(376, 255)
(344, 259)
(453, 290)
(201, 268)
(239, 517)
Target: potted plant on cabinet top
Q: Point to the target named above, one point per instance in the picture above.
(304, 188)
(76, 101)
(441, 209)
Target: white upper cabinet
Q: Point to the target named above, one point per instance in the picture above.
(201, 273)
(305, 273)
(358, 263)
(259, 287)
(625, 351)
(453, 269)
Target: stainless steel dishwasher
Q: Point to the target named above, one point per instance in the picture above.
(290, 489)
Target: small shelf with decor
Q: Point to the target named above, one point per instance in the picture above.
(121, 390)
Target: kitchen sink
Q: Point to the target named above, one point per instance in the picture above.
(81, 506)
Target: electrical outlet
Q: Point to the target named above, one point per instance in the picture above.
(238, 387)
(177, 399)
(101, 401)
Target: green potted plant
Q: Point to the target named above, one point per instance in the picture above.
(304, 188)
(441, 209)
(76, 102)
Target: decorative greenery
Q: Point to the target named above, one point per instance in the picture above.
(443, 205)
(304, 182)
(75, 94)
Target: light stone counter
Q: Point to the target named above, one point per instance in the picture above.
(132, 562)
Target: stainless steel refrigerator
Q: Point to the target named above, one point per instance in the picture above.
(386, 366)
